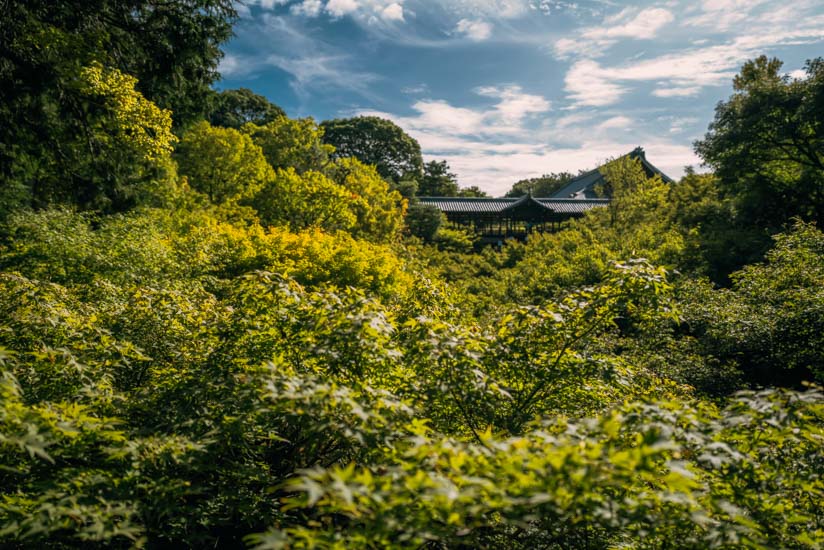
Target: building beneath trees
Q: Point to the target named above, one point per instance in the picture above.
(498, 219)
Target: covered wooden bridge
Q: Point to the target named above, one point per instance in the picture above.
(510, 218)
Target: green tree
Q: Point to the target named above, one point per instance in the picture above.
(234, 108)
(291, 143)
(543, 186)
(437, 180)
(222, 163)
(49, 152)
(766, 146)
(472, 191)
(378, 209)
(120, 153)
(376, 141)
(301, 201)
(424, 220)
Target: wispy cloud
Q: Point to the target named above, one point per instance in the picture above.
(685, 73)
(516, 137)
(474, 30)
(629, 23)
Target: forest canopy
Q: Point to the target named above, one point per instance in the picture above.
(227, 327)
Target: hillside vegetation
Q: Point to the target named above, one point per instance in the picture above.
(217, 330)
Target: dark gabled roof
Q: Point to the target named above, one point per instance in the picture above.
(572, 206)
(584, 185)
(466, 204)
(495, 206)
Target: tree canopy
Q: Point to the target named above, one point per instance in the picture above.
(543, 186)
(376, 141)
(234, 108)
(766, 146)
(222, 163)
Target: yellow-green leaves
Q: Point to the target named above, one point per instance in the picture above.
(222, 163)
(136, 123)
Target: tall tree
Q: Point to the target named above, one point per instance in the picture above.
(379, 210)
(171, 47)
(234, 108)
(766, 144)
(291, 143)
(437, 180)
(222, 163)
(377, 141)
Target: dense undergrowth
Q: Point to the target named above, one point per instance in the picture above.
(224, 336)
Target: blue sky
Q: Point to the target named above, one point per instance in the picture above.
(507, 89)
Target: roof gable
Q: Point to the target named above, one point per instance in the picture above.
(584, 186)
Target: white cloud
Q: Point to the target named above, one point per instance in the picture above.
(415, 90)
(505, 9)
(392, 12)
(309, 8)
(722, 15)
(339, 8)
(626, 24)
(494, 146)
(230, 66)
(686, 91)
(798, 74)
(514, 105)
(312, 70)
(588, 83)
(644, 25)
(616, 122)
(474, 30)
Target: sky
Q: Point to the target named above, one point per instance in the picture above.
(510, 89)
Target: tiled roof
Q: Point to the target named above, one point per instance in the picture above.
(460, 204)
(572, 206)
(584, 185)
(489, 206)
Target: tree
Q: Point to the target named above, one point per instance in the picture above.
(378, 209)
(222, 163)
(766, 144)
(120, 151)
(424, 220)
(544, 186)
(376, 141)
(291, 143)
(234, 108)
(472, 191)
(303, 201)
(437, 180)
(171, 48)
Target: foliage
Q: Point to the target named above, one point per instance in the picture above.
(472, 191)
(423, 220)
(378, 142)
(378, 210)
(222, 163)
(250, 356)
(769, 324)
(51, 133)
(119, 155)
(303, 201)
(543, 186)
(437, 180)
(234, 108)
(621, 479)
(766, 148)
(288, 143)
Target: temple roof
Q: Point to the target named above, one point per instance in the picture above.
(495, 206)
(584, 186)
